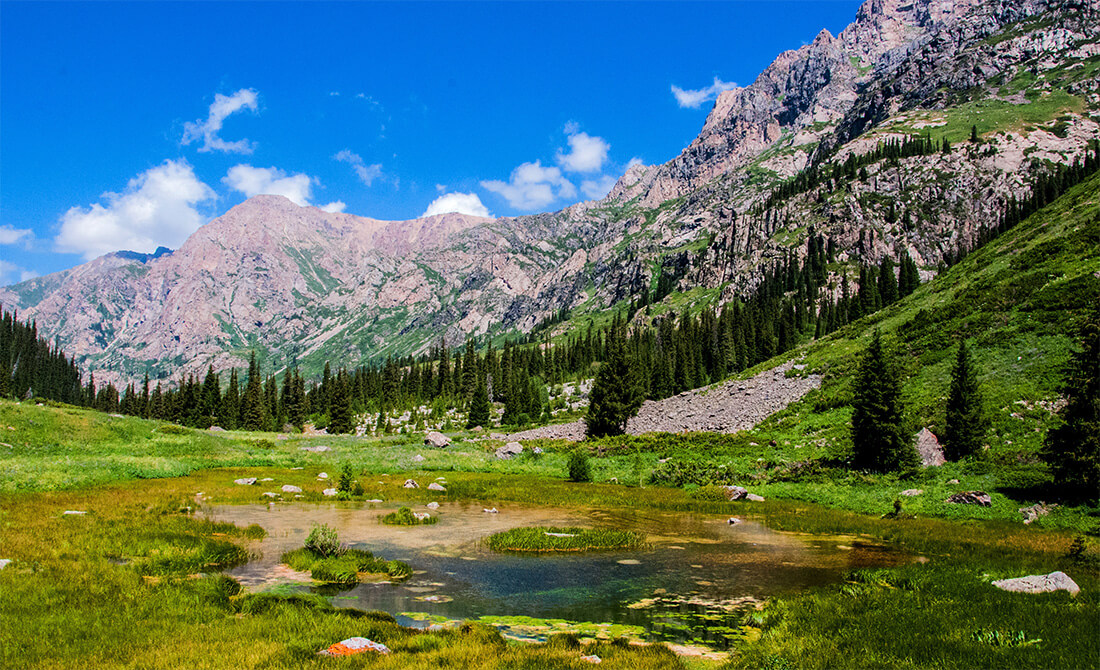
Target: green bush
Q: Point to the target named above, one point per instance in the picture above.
(324, 541)
(405, 517)
(580, 470)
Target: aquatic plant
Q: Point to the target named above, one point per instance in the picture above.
(545, 539)
(406, 517)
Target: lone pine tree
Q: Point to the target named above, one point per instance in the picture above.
(479, 404)
(966, 419)
(879, 439)
(616, 394)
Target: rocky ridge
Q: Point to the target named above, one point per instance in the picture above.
(304, 286)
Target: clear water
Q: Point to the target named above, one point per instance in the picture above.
(701, 569)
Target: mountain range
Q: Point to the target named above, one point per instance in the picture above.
(1012, 85)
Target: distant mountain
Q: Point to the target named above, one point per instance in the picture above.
(301, 285)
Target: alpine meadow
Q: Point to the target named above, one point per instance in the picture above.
(820, 391)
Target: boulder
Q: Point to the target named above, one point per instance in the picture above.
(1055, 581)
(216, 429)
(245, 481)
(290, 488)
(437, 440)
(353, 646)
(735, 492)
(970, 498)
(753, 497)
(912, 492)
(509, 450)
(323, 475)
(329, 492)
(433, 505)
(434, 486)
(928, 446)
(411, 484)
(591, 658)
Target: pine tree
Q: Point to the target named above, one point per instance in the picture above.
(880, 441)
(340, 415)
(252, 404)
(887, 283)
(967, 422)
(479, 405)
(616, 395)
(1073, 447)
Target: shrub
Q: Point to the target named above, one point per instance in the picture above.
(405, 517)
(324, 541)
(580, 469)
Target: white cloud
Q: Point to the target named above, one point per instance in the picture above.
(9, 235)
(8, 272)
(694, 98)
(334, 94)
(207, 130)
(366, 173)
(532, 186)
(634, 161)
(586, 153)
(24, 275)
(298, 188)
(158, 208)
(252, 181)
(463, 203)
(598, 188)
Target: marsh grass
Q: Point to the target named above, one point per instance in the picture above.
(553, 539)
(405, 517)
(343, 566)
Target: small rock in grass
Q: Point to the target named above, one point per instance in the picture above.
(952, 481)
(733, 521)
(591, 658)
(316, 450)
(1055, 581)
(433, 505)
(323, 475)
(268, 479)
(1035, 511)
(245, 481)
(290, 488)
(4, 562)
(73, 512)
(329, 492)
(970, 498)
(374, 500)
(488, 510)
(912, 492)
(753, 497)
(421, 516)
(270, 494)
(354, 645)
(410, 484)
(509, 450)
(418, 458)
(435, 487)
(437, 440)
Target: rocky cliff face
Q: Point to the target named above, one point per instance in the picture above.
(302, 285)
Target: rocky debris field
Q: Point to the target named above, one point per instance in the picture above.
(728, 407)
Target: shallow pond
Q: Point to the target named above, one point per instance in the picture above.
(691, 582)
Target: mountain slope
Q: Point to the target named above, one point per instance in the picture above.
(301, 285)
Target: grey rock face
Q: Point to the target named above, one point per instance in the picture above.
(931, 453)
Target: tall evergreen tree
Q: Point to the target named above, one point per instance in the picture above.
(967, 422)
(340, 415)
(252, 404)
(616, 395)
(1073, 447)
(880, 440)
(479, 405)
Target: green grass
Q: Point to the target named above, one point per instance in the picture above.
(540, 539)
(405, 517)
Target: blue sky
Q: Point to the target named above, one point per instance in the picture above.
(129, 125)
